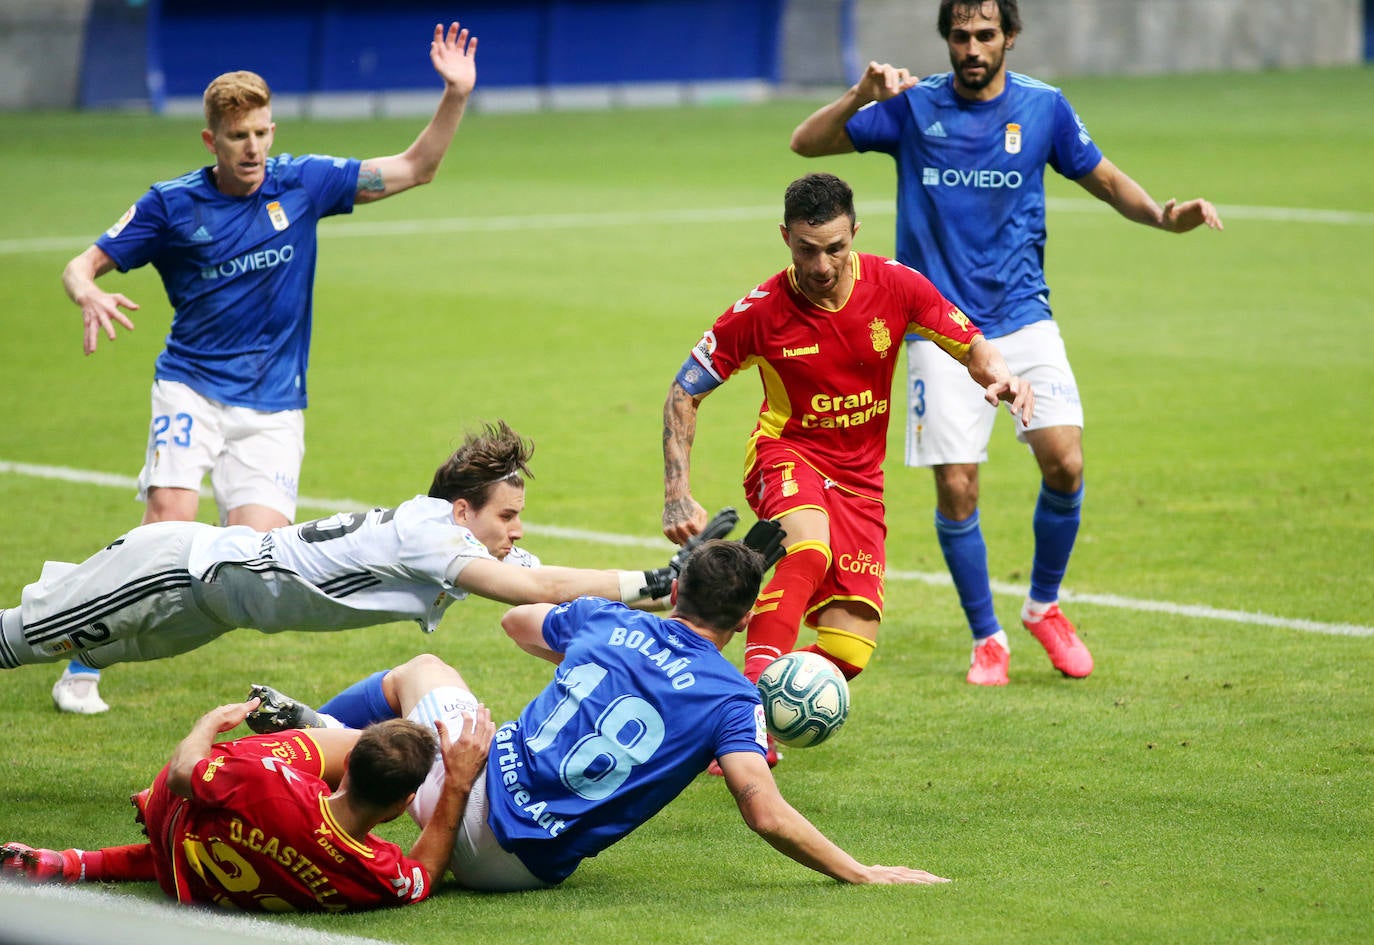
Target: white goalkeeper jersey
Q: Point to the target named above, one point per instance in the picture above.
(353, 569)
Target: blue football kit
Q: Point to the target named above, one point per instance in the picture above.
(238, 272)
(638, 708)
(971, 189)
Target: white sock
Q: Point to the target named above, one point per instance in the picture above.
(1033, 610)
(1000, 636)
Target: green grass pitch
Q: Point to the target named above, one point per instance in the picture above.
(1211, 781)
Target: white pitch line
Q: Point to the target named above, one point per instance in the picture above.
(91, 477)
(356, 228)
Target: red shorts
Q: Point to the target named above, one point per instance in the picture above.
(781, 481)
(161, 816)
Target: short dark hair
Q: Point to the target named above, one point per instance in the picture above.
(816, 199)
(496, 454)
(390, 761)
(718, 584)
(1011, 16)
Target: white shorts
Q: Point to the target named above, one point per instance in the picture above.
(134, 600)
(253, 456)
(478, 862)
(948, 421)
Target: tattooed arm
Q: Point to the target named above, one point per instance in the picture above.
(454, 58)
(683, 516)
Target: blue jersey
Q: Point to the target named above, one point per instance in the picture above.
(239, 272)
(639, 707)
(971, 189)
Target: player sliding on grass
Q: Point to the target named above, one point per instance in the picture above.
(823, 333)
(169, 587)
(283, 822)
(638, 705)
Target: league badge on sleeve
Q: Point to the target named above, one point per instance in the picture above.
(123, 221)
(1013, 138)
(277, 215)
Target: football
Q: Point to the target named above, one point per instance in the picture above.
(805, 699)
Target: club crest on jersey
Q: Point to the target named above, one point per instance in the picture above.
(277, 215)
(882, 338)
(1013, 138)
(123, 221)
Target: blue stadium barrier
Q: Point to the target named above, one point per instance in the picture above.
(1369, 30)
(306, 47)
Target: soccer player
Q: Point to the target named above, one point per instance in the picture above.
(971, 147)
(284, 822)
(822, 333)
(169, 587)
(235, 245)
(638, 705)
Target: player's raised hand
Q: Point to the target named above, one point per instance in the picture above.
(881, 81)
(465, 756)
(223, 718)
(99, 312)
(901, 875)
(454, 57)
(1189, 215)
(683, 518)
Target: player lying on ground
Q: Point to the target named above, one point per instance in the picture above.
(637, 708)
(283, 822)
(169, 587)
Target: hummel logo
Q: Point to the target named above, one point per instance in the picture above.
(936, 130)
(201, 235)
(754, 293)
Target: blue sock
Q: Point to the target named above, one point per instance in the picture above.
(362, 703)
(1057, 515)
(966, 556)
(76, 666)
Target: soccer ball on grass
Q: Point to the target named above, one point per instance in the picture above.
(805, 699)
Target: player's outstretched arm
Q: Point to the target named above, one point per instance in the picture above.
(823, 130)
(454, 56)
(683, 516)
(1109, 183)
(201, 740)
(770, 816)
(465, 758)
(551, 584)
(100, 310)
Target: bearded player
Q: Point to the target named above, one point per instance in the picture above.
(823, 334)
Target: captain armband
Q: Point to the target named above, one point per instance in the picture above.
(696, 379)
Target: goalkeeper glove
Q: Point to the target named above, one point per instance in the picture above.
(765, 537)
(718, 527)
(638, 586)
(658, 583)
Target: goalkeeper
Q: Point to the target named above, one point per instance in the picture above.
(169, 587)
(638, 705)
